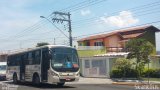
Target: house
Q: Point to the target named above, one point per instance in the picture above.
(115, 41)
(99, 63)
(3, 57)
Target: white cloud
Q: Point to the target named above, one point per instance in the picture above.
(125, 18)
(85, 12)
(15, 15)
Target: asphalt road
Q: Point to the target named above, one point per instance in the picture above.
(28, 86)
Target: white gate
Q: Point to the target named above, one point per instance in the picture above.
(95, 67)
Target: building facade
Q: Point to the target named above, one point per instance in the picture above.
(3, 57)
(116, 40)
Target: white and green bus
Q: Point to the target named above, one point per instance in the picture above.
(3, 70)
(46, 64)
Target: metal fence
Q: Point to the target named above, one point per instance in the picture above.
(90, 47)
(96, 66)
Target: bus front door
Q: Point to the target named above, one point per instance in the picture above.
(44, 65)
(22, 67)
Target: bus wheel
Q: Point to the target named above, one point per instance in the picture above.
(61, 84)
(15, 81)
(36, 80)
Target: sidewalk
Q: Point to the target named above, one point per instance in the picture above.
(84, 80)
(134, 82)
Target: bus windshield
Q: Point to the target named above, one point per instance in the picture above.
(2, 67)
(64, 59)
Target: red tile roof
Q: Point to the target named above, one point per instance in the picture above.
(132, 35)
(122, 32)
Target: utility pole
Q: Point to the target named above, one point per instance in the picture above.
(64, 17)
(54, 41)
(149, 59)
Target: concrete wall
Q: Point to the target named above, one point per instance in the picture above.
(154, 63)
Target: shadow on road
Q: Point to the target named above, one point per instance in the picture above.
(42, 86)
(1, 80)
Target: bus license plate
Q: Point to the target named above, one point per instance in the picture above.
(68, 79)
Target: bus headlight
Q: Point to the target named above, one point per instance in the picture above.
(77, 74)
(54, 74)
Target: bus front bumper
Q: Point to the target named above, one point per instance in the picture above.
(57, 79)
(2, 77)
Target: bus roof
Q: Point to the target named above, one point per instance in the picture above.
(36, 48)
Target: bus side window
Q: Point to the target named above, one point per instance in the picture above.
(18, 58)
(9, 61)
(37, 57)
(13, 61)
(24, 58)
(30, 58)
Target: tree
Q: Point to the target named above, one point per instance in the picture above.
(123, 64)
(139, 49)
(42, 44)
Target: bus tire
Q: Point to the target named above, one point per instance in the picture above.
(60, 84)
(36, 80)
(15, 80)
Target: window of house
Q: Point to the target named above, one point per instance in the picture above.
(87, 43)
(99, 43)
(80, 44)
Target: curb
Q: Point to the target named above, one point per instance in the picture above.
(132, 83)
(125, 83)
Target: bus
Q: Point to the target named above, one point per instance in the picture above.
(52, 64)
(3, 70)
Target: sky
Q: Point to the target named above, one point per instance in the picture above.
(22, 27)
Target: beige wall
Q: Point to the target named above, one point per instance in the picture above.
(113, 41)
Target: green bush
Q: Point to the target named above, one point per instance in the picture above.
(128, 73)
(153, 73)
(131, 73)
(123, 69)
(116, 73)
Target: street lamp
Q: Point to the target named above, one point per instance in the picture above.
(42, 17)
(149, 59)
(55, 26)
(46, 19)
